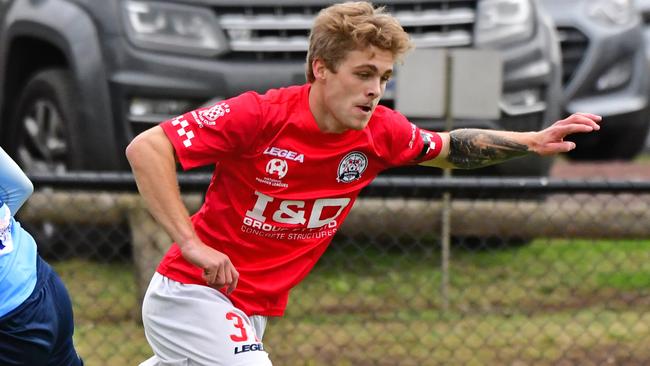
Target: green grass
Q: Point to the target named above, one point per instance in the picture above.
(545, 303)
(643, 158)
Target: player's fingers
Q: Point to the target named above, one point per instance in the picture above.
(591, 116)
(557, 147)
(566, 130)
(233, 283)
(576, 118)
(208, 275)
(583, 120)
(563, 146)
(220, 278)
(227, 279)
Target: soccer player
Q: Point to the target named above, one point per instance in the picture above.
(288, 166)
(36, 322)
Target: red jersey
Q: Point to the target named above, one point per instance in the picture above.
(281, 188)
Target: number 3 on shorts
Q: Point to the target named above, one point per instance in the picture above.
(240, 325)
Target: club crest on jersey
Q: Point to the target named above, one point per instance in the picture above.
(351, 167)
(277, 167)
(209, 116)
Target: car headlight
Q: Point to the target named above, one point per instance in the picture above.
(611, 12)
(616, 76)
(173, 27)
(503, 21)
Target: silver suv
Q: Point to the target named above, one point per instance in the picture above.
(604, 72)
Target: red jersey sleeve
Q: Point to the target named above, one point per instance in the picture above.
(222, 131)
(411, 144)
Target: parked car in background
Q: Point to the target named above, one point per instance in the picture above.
(79, 79)
(605, 71)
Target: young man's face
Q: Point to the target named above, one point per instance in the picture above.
(352, 92)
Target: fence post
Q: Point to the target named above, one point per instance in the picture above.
(150, 242)
(445, 230)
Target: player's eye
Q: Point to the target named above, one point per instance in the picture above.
(363, 75)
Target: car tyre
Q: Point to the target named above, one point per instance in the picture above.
(44, 123)
(44, 139)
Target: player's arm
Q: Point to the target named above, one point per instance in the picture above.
(476, 148)
(15, 187)
(153, 163)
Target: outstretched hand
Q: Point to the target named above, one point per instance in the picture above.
(550, 140)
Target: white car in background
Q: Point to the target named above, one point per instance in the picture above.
(605, 71)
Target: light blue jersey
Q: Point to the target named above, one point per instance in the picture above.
(17, 247)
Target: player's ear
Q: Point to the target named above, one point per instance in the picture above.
(319, 69)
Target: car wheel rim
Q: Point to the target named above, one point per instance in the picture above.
(44, 147)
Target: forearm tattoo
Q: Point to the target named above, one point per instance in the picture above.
(470, 148)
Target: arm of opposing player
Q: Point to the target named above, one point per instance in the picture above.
(15, 187)
(475, 148)
(152, 160)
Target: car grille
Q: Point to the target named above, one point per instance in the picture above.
(280, 32)
(574, 45)
(527, 122)
(645, 15)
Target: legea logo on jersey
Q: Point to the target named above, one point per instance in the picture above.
(351, 167)
(209, 116)
(277, 167)
(285, 154)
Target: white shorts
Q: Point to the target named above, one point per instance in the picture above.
(197, 325)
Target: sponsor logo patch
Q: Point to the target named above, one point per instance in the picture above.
(413, 128)
(282, 219)
(277, 167)
(351, 167)
(429, 144)
(249, 348)
(209, 116)
(285, 154)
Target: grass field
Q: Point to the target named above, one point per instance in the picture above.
(550, 302)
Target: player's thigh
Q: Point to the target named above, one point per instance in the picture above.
(198, 324)
(28, 333)
(64, 353)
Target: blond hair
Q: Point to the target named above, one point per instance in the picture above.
(341, 28)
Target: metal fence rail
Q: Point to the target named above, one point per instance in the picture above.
(544, 272)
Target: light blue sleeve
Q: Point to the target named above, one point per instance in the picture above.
(15, 187)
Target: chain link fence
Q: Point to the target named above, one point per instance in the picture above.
(532, 272)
